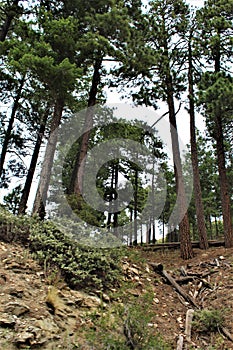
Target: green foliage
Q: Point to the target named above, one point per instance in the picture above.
(81, 267)
(12, 199)
(127, 327)
(208, 320)
(14, 228)
(137, 329)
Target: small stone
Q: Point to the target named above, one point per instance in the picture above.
(156, 300)
(179, 319)
(105, 297)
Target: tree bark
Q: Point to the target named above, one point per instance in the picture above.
(185, 240)
(10, 125)
(42, 190)
(76, 185)
(27, 186)
(194, 157)
(136, 208)
(225, 197)
(115, 215)
(224, 190)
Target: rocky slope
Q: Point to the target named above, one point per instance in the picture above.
(39, 310)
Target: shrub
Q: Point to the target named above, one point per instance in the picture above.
(82, 267)
(208, 320)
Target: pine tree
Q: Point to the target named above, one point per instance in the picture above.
(202, 233)
(216, 18)
(159, 68)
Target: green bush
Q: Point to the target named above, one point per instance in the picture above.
(208, 320)
(127, 327)
(82, 267)
(14, 228)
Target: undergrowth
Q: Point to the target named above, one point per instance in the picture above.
(81, 266)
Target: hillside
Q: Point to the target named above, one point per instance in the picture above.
(143, 311)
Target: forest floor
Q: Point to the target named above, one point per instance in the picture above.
(38, 310)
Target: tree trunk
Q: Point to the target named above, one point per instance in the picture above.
(115, 215)
(225, 197)
(224, 190)
(12, 12)
(27, 186)
(110, 199)
(131, 227)
(136, 208)
(216, 227)
(10, 125)
(76, 185)
(163, 230)
(194, 157)
(153, 203)
(42, 190)
(185, 240)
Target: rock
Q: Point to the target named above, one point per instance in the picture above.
(16, 309)
(7, 321)
(156, 300)
(105, 297)
(85, 300)
(91, 302)
(30, 336)
(134, 270)
(16, 292)
(47, 325)
(24, 337)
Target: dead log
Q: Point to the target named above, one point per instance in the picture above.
(184, 280)
(188, 324)
(159, 269)
(175, 245)
(226, 333)
(180, 342)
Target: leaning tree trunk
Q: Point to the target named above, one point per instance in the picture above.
(185, 240)
(42, 190)
(10, 125)
(194, 157)
(76, 185)
(32, 167)
(12, 12)
(186, 250)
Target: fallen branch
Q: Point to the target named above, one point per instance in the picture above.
(188, 324)
(184, 280)
(226, 333)
(159, 269)
(180, 342)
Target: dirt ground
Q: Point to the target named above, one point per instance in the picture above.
(214, 291)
